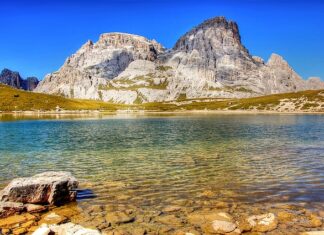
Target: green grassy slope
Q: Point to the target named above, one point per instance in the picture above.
(12, 99)
(268, 102)
(302, 101)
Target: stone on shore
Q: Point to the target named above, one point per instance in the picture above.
(10, 208)
(33, 208)
(52, 188)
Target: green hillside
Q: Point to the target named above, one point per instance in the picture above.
(12, 99)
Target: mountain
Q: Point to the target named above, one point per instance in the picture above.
(30, 83)
(14, 79)
(209, 61)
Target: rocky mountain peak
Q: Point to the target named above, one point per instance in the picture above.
(87, 46)
(11, 78)
(214, 32)
(280, 64)
(8, 72)
(277, 60)
(14, 79)
(125, 40)
(95, 63)
(30, 83)
(120, 43)
(314, 79)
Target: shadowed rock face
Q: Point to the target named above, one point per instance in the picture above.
(196, 38)
(11, 78)
(14, 79)
(30, 83)
(209, 61)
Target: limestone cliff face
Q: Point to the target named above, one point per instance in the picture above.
(14, 79)
(209, 61)
(212, 62)
(95, 63)
(278, 77)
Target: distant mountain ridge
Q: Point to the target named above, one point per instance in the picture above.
(209, 61)
(14, 79)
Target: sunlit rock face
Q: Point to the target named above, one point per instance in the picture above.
(209, 61)
(94, 64)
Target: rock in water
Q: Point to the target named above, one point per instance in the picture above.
(213, 222)
(263, 223)
(65, 229)
(119, 217)
(52, 188)
(71, 228)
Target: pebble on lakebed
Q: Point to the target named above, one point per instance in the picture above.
(187, 217)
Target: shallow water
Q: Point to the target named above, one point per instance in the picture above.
(154, 160)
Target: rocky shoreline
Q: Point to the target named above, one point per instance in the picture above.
(98, 112)
(45, 204)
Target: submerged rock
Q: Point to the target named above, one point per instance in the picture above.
(222, 225)
(171, 220)
(18, 221)
(52, 188)
(65, 229)
(313, 233)
(263, 223)
(53, 218)
(119, 217)
(214, 222)
(172, 208)
(311, 220)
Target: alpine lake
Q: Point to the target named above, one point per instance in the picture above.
(156, 173)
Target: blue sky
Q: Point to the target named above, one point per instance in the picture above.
(37, 36)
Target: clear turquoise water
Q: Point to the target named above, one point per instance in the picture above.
(155, 159)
